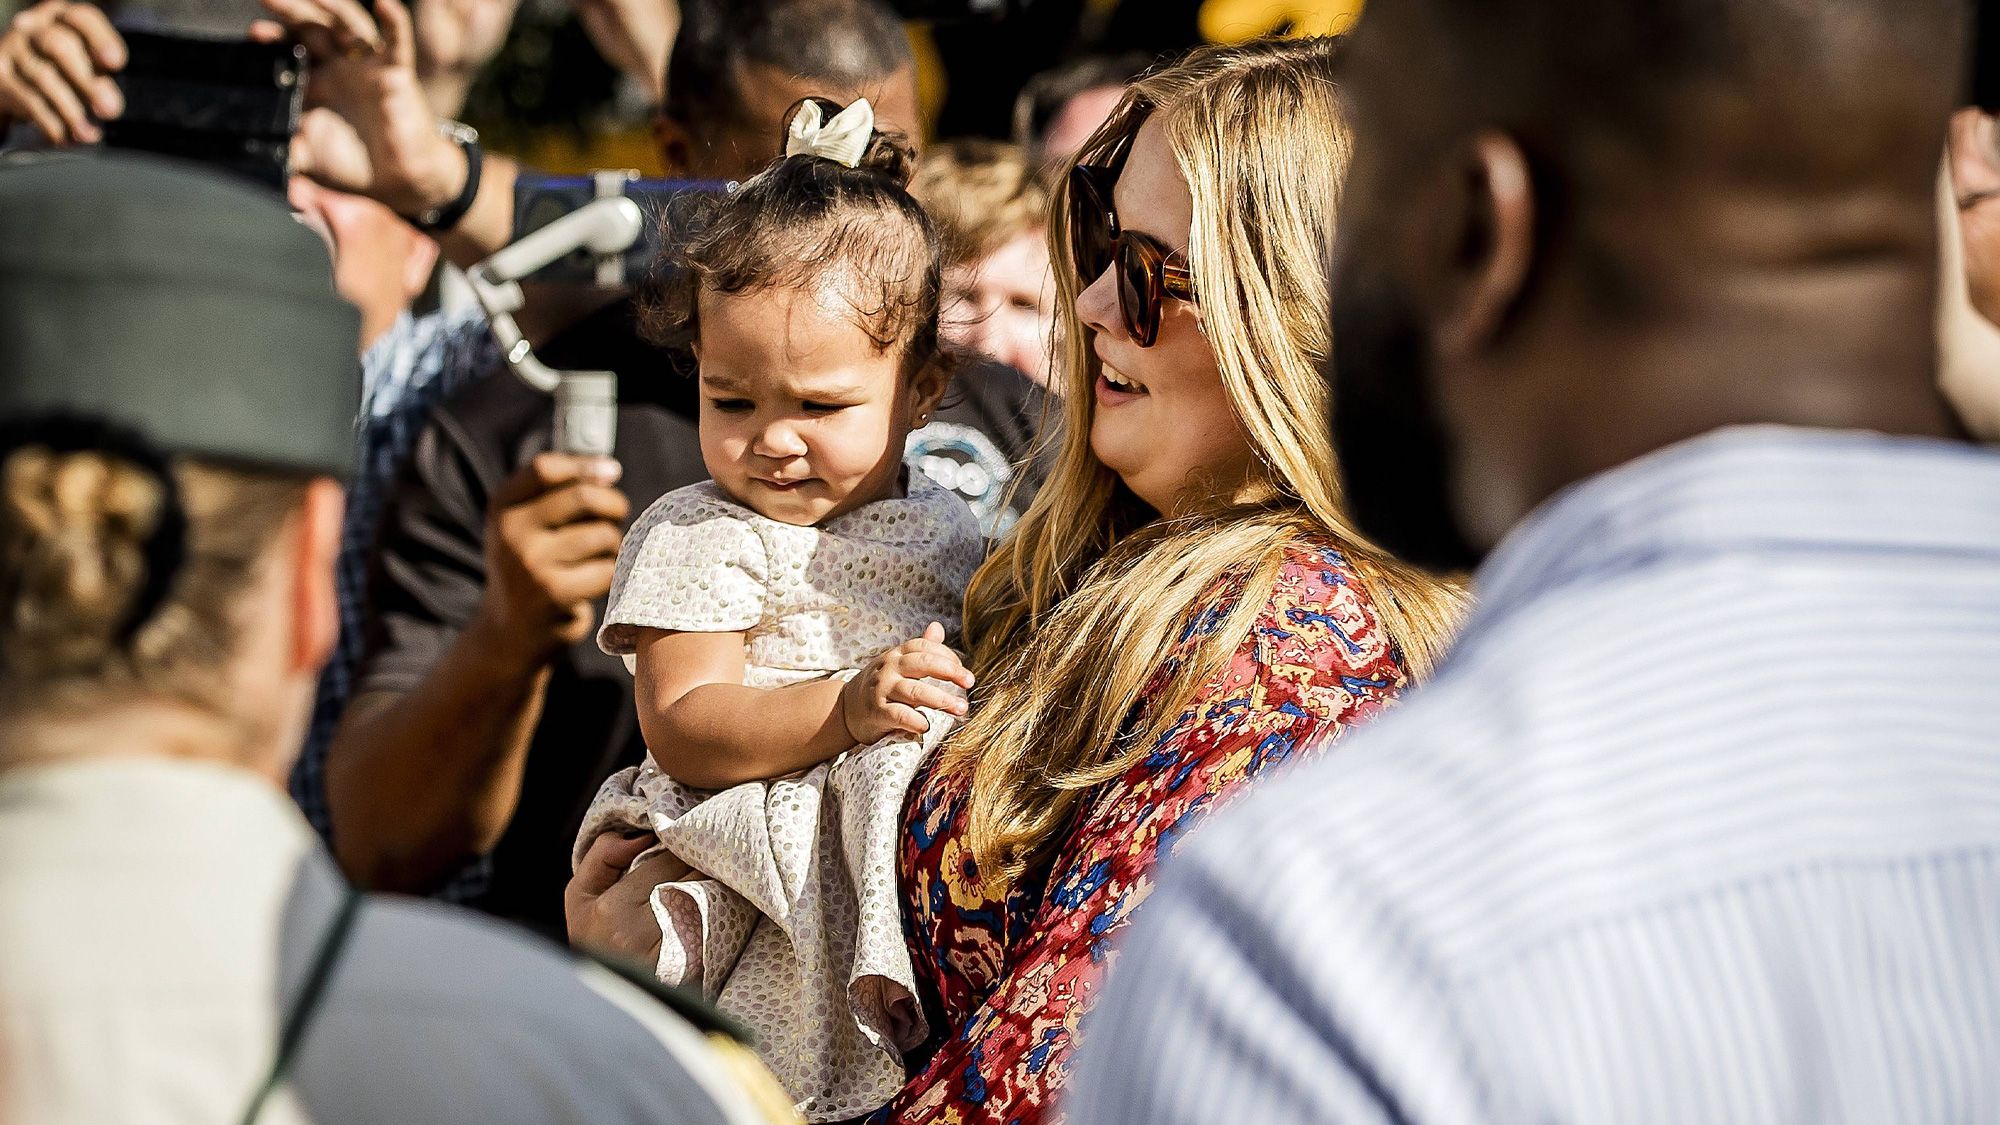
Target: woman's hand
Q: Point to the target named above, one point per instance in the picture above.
(883, 699)
(609, 908)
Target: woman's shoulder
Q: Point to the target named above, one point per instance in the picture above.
(1315, 569)
(1321, 614)
(1317, 622)
(1310, 572)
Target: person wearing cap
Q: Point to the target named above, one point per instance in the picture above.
(177, 394)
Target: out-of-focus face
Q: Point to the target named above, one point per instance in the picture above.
(1077, 120)
(1003, 305)
(1969, 296)
(1161, 420)
(1975, 176)
(802, 417)
(380, 262)
(739, 148)
(1393, 443)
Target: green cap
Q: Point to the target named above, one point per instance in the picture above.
(165, 298)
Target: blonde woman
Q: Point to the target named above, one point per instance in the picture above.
(1185, 605)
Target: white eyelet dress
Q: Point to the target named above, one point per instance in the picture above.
(796, 929)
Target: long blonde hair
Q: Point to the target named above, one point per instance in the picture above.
(1070, 618)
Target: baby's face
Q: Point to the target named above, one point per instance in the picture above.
(802, 418)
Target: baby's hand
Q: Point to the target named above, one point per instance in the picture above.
(883, 699)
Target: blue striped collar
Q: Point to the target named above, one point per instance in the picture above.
(1751, 489)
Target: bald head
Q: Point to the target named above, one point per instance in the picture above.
(737, 65)
(1811, 94)
(839, 44)
(1576, 231)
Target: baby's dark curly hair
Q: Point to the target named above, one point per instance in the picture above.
(810, 222)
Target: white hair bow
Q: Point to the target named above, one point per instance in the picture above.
(844, 139)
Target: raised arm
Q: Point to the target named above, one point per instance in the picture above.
(424, 778)
(455, 41)
(372, 130)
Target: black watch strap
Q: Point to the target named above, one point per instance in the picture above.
(437, 220)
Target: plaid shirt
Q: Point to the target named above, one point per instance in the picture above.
(417, 364)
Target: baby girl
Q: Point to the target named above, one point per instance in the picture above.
(795, 608)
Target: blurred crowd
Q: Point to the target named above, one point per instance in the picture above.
(1443, 572)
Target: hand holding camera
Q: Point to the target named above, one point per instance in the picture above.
(368, 128)
(234, 104)
(552, 537)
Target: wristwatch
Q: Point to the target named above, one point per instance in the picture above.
(442, 218)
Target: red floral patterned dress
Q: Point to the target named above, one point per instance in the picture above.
(1006, 982)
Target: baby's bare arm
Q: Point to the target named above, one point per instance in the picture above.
(706, 729)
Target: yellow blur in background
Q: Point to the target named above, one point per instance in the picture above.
(1233, 21)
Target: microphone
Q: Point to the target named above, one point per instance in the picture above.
(586, 401)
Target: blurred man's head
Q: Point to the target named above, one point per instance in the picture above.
(738, 65)
(1059, 109)
(1975, 183)
(1575, 232)
(991, 213)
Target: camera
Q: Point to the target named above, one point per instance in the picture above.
(230, 103)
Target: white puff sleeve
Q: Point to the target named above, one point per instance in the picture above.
(692, 563)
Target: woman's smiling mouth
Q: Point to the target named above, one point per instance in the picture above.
(1114, 387)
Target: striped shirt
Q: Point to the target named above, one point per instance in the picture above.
(1699, 823)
